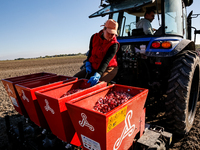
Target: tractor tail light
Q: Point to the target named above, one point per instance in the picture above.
(159, 44)
(166, 44)
(155, 45)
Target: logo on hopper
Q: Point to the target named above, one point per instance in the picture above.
(9, 90)
(14, 101)
(47, 107)
(127, 131)
(84, 122)
(24, 96)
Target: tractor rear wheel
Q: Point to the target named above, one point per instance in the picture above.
(182, 93)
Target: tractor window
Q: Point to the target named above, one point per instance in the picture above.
(115, 16)
(128, 24)
(173, 17)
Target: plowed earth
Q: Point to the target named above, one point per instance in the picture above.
(69, 66)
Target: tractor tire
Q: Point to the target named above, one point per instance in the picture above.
(182, 93)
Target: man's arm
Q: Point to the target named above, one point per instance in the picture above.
(147, 28)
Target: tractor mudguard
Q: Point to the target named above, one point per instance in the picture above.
(184, 44)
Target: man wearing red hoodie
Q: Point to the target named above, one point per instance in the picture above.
(101, 63)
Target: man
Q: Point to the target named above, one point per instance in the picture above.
(101, 64)
(146, 22)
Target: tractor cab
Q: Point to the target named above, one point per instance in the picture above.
(170, 16)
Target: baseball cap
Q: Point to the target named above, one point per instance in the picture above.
(111, 26)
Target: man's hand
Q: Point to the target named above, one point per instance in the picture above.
(94, 79)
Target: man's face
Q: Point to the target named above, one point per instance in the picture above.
(108, 36)
(150, 16)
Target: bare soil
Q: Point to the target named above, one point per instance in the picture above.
(69, 66)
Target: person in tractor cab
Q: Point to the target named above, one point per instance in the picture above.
(145, 23)
(101, 63)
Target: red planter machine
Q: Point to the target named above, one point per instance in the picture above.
(42, 98)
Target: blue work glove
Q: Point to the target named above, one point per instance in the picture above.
(94, 79)
(88, 67)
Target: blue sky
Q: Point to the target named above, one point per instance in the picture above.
(34, 28)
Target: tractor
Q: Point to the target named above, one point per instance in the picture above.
(166, 62)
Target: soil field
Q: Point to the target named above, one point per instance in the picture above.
(69, 66)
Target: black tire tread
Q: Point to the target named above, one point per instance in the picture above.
(179, 86)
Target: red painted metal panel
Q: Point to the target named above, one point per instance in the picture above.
(111, 131)
(9, 84)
